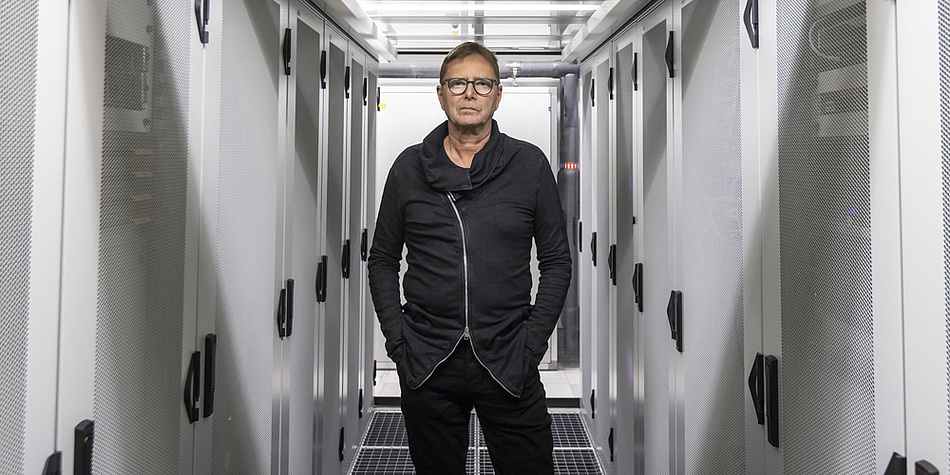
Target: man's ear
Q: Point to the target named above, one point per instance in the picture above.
(438, 92)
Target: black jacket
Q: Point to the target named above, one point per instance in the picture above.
(469, 233)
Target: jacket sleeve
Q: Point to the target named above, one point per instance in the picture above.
(383, 265)
(554, 264)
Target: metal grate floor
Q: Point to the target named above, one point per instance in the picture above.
(385, 448)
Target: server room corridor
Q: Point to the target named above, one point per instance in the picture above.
(756, 195)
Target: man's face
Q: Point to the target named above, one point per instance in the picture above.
(469, 109)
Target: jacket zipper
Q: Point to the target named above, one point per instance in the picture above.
(465, 334)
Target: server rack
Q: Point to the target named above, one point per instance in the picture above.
(766, 156)
(191, 194)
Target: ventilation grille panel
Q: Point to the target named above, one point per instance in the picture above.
(825, 239)
(944, 14)
(18, 25)
(712, 240)
(245, 254)
(385, 448)
(139, 326)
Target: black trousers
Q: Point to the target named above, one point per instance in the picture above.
(517, 430)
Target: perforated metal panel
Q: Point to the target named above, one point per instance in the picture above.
(656, 285)
(142, 238)
(712, 244)
(944, 21)
(306, 223)
(18, 25)
(828, 406)
(245, 254)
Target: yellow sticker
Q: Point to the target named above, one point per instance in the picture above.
(382, 106)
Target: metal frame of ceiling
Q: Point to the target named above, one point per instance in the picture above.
(573, 35)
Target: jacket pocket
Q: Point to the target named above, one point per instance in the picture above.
(395, 343)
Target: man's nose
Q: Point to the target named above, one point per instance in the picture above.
(470, 91)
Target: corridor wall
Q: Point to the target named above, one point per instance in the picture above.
(755, 146)
(183, 195)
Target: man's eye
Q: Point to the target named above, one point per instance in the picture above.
(457, 83)
(482, 83)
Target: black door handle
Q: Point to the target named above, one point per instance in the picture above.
(364, 245)
(201, 18)
(342, 443)
(365, 91)
(286, 51)
(323, 69)
(84, 436)
(593, 398)
(897, 465)
(669, 54)
(593, 248)
(321, 281)
(751, 20)
(770, 374)
(346, 259)
(346, 82)
(282, 314)
(612, 263)
(757, 389)
(674, 312)
(610, 83)
(634, 73)
(923, 467)
(192, 387)
(289, 323)
(638, 285)
(211, 350)
(592, 84)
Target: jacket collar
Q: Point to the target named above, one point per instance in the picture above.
(444, 175)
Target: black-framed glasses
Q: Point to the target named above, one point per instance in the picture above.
(482, 86)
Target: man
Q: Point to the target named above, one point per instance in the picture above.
(467, 203)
